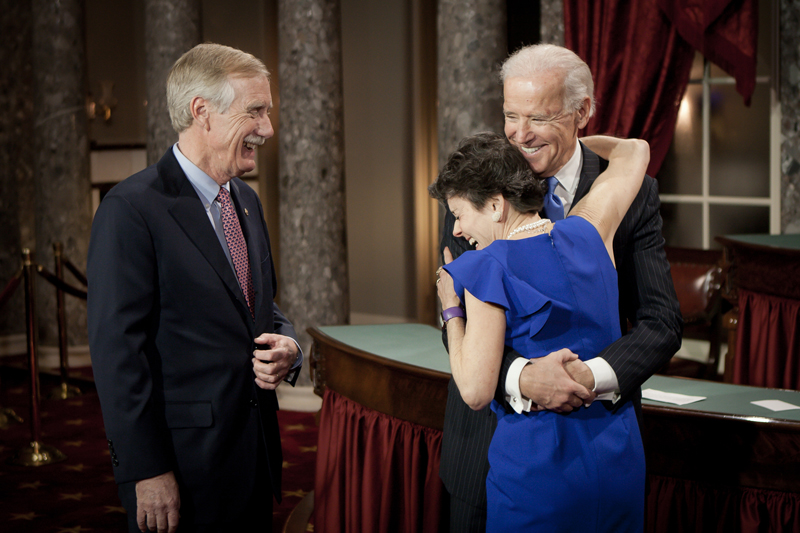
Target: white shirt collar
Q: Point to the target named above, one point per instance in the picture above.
(207, 189)
(569, 175)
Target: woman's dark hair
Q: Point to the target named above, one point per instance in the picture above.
(484, 165)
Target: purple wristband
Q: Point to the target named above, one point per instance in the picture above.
(452, 312)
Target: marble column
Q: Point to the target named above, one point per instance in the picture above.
(472, 46)
(790, 115)
(551, 26)
(61, 155)
(171, 28)
(313, 242)
(16, 153)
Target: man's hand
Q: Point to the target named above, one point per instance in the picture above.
(273, 362)
(580, 372)
(157, 503)
(547, 382)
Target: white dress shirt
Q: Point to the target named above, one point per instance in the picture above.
(605, 379)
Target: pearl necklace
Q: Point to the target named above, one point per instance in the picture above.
(529, 227)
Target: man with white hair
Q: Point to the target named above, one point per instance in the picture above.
(548, 98)
(187, 344)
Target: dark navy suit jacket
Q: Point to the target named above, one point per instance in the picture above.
(171, 342)
(647, 299)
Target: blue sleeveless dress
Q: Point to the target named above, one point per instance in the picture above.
(583, 471)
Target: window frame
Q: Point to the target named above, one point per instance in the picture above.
(705, 199)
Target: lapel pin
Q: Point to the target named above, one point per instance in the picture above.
(246, 212)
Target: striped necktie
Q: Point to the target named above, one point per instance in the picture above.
(553, 208)
(237, 246)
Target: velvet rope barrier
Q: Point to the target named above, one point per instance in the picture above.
(11, 286)
(60, 284)
(80, 276)
(36, 453)
(64, 390)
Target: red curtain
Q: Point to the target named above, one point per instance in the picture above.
(768, 341)
(375, 472)
(724, 31)
(641, 52)
(640, 66)
(680, 506)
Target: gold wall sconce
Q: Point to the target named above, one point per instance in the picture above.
(104, 105)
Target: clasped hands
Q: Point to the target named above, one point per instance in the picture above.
(272, 363)
(558, 382)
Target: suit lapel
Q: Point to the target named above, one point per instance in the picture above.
(592, 167)
(589, 172)
(189, 213)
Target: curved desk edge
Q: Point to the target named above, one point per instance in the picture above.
(407, 392)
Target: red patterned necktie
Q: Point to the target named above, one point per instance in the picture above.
(236, 245)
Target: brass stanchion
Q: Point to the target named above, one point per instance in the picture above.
(36, 453)
(65, 390)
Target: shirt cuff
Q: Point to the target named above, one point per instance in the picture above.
(296, 366)
(513, 395)
(299, 361)
(605, 379)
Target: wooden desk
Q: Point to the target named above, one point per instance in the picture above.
(762, 281)
(712, 461)
(384, 391)
(724, 439)
(398, 370)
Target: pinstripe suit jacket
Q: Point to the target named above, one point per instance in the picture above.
(647, 300)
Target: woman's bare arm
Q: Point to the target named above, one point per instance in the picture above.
(602, 145)
(476, 350)
(615, 189)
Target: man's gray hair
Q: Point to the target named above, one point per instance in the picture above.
(205, 71)
(548, 59)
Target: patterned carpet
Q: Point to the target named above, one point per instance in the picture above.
(79, 495)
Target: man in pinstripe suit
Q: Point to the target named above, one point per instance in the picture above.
(548, 97)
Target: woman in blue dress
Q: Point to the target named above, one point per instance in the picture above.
(538, 287)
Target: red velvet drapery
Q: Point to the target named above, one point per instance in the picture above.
(379, 473)
(641, 52)
(375, 472)
(678, 505)
(768, 341)
(640, 67)
(724, 31)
